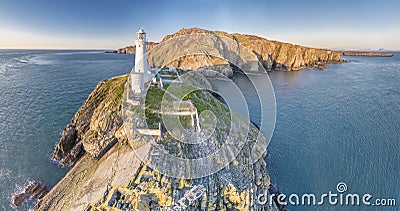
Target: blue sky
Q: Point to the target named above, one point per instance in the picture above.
(99, 24)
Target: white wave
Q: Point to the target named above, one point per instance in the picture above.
(28, 203)
(3, 68)
(39, 60)
(21, 60)
(6, 66)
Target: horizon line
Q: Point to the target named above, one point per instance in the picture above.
(66, 49)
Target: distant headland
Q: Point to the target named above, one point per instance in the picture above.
(274, 55)
(366, 53)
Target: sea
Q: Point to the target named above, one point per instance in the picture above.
(333, 127)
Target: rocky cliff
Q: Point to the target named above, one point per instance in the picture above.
(93, 127)
(88, 144)
(274, 55)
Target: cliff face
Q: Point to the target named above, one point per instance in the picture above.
(285, 56)
(274, 55)
(88, 144)
(92, 129)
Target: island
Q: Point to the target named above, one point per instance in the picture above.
(367, 53)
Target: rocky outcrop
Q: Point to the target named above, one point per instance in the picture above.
(33, 191)
(92, 129)
(361, 53)
(274, 55)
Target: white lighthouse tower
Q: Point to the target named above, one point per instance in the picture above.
(140, 74)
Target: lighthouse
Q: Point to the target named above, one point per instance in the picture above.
(140, 74)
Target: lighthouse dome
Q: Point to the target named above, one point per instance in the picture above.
(141, 31)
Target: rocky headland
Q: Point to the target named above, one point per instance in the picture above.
(274, 55)
(104, 164)
(132, 49)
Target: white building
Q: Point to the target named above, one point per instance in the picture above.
(140, 74)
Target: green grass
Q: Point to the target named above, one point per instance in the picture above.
(201, 99)
(153, 103)
(114, 89)
(186, 121)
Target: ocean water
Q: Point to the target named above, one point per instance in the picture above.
(341, 124)
(40, 92)
(336, 125)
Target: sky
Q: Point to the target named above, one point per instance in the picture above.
(101, 24)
